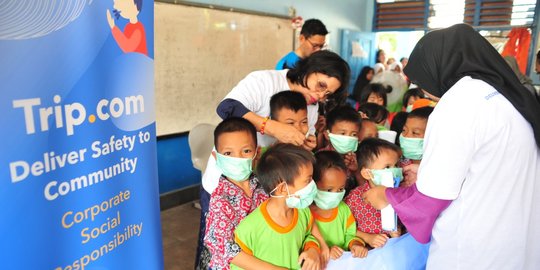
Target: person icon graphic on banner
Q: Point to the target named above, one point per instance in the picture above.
(133, 38)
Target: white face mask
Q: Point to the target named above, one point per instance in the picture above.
(343, 144)
(301, 198)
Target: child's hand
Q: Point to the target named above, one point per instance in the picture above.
(376, 240)
(309, 260)
(395, 234)
(110, 19)
(350, 162)
(359, 251)
(320, 126)
(310, 142)
(336, 253)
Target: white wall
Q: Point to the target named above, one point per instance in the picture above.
(351, 14)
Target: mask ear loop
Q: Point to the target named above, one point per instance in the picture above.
(371, 182)
(280, 196)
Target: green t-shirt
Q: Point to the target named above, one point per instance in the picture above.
(339, 229)
(260, 236)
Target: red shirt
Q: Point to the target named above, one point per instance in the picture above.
(133, 39)
(368, 219)
(229, 204)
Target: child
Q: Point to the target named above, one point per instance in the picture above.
(343, 125)
(375, 156)
(368, 130)
(332, 216)
(290, 108)
(410, 97)
(375, 112)
(411, 139)
(133, 39)
(238, 192)
(375, 93)
(279, 230)
(397, 124)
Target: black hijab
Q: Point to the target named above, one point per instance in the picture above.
(443, 57)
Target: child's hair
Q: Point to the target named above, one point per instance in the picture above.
(397, 124)
(377, 88)
(313, 27)
(367, 120)
(422, 113)
(373, 111)
(325, 160)
(324, 62)
(413, 92)
(282, 162)
(291, 100)
(370, 149)
(343, 113)
(234, 124)
(138, 3)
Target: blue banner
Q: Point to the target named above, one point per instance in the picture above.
(78, 183)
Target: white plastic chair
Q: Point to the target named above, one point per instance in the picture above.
(201, 142)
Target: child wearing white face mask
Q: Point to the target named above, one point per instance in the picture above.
(332, 215)
(411, 140)
(237, 194)
(343, 125)
(376, 157)
(279, 231)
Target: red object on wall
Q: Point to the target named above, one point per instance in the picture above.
(519, 41)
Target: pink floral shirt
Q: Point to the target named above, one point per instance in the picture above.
(228, 206)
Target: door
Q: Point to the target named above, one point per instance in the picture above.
(358, 49)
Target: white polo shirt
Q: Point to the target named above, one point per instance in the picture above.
(481, 153)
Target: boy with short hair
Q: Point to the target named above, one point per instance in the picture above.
(368, 130)
(289, 107)
(411, 139)
(376, 157)
(279, 230)
(237, 194)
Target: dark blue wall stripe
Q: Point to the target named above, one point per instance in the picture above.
(175, 170)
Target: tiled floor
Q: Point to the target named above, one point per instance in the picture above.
(180, 228)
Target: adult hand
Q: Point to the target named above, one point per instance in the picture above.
(110, 19)
(284, 133)
(310, 142)
(310, 260)
(376, 196)
(336, 253)
(410, 173)
(376, 240)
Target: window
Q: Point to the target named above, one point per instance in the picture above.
(426, 15)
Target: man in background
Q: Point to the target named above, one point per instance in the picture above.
(312, 38)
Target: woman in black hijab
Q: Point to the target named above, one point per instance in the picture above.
(481, 161)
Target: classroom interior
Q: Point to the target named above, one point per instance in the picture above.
(204, 47)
